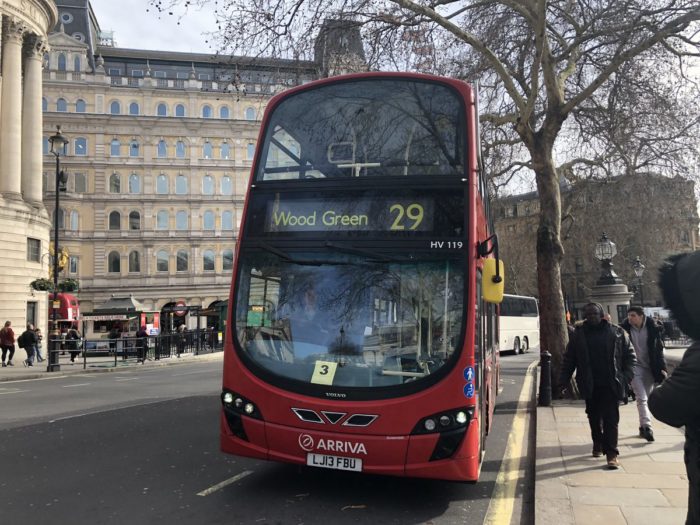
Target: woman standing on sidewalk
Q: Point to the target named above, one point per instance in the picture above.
(7, 341)
(675, 402)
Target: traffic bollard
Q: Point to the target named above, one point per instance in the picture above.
(545, 398)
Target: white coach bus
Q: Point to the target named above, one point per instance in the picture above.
(519, 323)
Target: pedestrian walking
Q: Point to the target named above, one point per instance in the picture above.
(7, 342)
(28, 341)
(142, 344)
(650, 369)
(180, 339)
(73, 343)
(603, 358)
(39, 345)
(675, 401)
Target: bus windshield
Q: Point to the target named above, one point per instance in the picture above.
(387, 128)
(349, 320)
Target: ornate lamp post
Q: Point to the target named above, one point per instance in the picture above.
(58, 147)
(639, 271)
(605, 250)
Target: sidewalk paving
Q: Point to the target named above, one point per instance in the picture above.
(572, 487)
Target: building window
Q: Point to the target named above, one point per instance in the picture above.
(206, 111)
(251, 151)
(250, 114)
(80, 146)
(133, 108)
(182, 261)
(74, 221)
(66, 18)
(61, 105)
(137, 73)
(228, 260)
(208, 222)
(162, 149)
(162, 110)
(134, 220)
(226, 185)
(224, 112)
(225, 152)
(134, 183)
(162, 261)
(227, 220)
(180, 110)
(181, 185)
(76, 64)
(685, 237)
(61, 219)
(181, 221)
(180, 149)
(160, 74)
(114, 72)
(80, 106)
(115, 148)
(204, 76)
(80, 183)
(134, 262)
(33, 250)
(114, 262)
(32, 309)
(207, 150)
(46, 146)
(209, 260)
(115, 108)
(134, 148)
(73, 264)
(114, 183)
(208, 185)
(115, 220)
(162, 220)
(61, 62)
(162, 184)
(44, 104)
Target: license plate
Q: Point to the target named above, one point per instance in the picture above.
(334, 462)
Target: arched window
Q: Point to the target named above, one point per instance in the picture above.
(206, 111)
(162, 220)
(61, 219)
(74, 221)
(134, 262)
(207, 150)
(250, 114)
(134, 183)
(208, 222)
(227, 260)
(114, 262)
(181, 184)
(162, 261)
(115, 220)
(80, 106)
(162, 149)
(115, 108)
(182, 261)
(162, 184)
(208, 185)
(134, 148)
(134, 220)
(226, 185)
(180, 149)
(181, 221)
(225, 151)
(227, 220)
(115, 148)
(251, 151)
(80, 146)
(47, 146)
(209, 260)
(76, 64)
(162, 110)
(180, 110)
(224, 112)
(61, 62)
(44, 104)
(134, 108)
(115, 183)
(61, 105)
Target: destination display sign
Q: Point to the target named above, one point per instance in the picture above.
(355, 214)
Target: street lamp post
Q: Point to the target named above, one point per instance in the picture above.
(639, 271)
(605, 250)
(58, 147)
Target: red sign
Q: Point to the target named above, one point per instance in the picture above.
(180, 308)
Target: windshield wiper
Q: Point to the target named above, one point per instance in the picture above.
(359, 251)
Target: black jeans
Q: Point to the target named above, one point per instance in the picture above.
(603, 417)
(6, 349)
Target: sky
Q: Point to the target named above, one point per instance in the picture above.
(136, 28)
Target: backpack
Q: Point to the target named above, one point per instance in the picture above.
(20, 340)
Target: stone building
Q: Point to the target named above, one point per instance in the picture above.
(24, 221)
(646, 216)
(161, 146)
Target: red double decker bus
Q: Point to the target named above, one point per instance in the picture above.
(363, 331)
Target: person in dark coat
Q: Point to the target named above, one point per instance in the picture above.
(675, 402)
(142, 344)
(603, 358)
(651, 365)
(73, 343)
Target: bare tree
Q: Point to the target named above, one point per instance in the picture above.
(578, 82)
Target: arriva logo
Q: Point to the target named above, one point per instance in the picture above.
(306, 442)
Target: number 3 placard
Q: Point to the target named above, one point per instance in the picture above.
(324, 371)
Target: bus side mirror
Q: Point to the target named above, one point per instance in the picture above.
(492, 282)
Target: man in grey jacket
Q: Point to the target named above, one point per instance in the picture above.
(675, 402)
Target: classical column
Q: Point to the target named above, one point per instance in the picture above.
(11, 116)
(32, 153)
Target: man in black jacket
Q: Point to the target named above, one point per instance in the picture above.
(603, 358)
(675, 402)
(651, 365)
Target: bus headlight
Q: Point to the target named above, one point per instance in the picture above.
(249, 408)
(461, 417)
(447, 421)
(239, 405)
(228, 398)
(429, 425)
